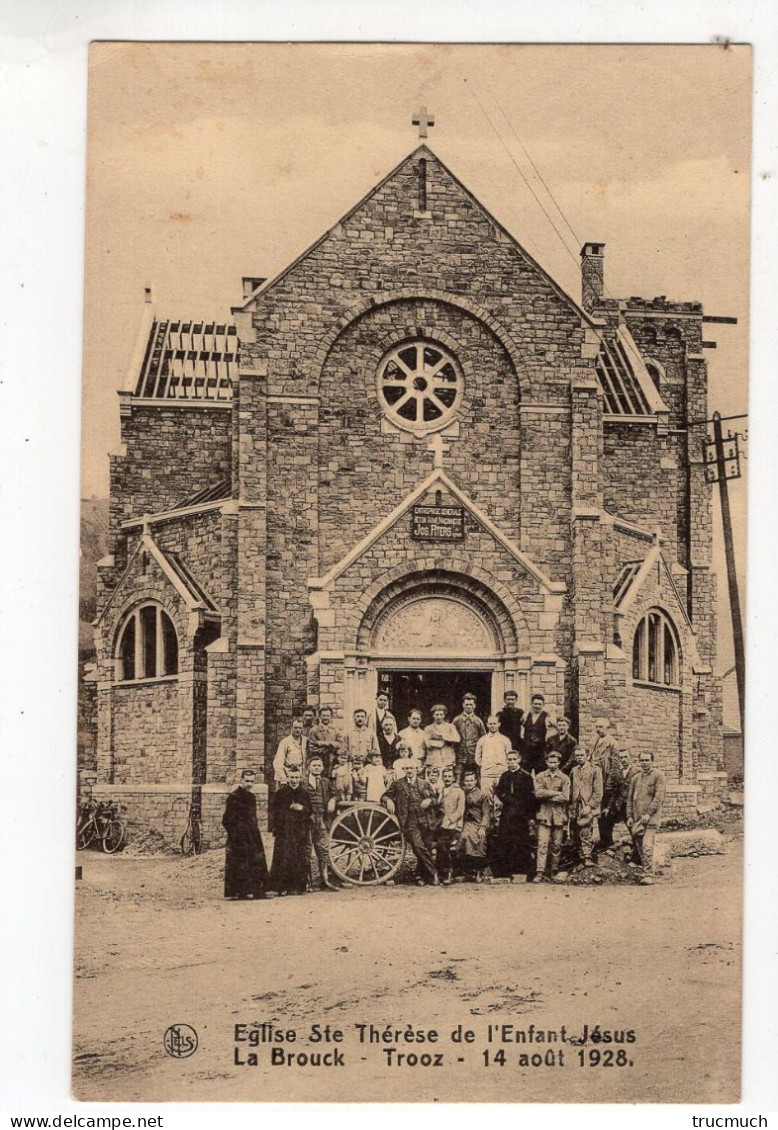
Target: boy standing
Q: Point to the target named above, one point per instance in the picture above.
(491, 756)
(342, 777)
(452, 815)
(615, 793)
(604, 754)
(358, 779)
(552, 790)
(644, 811)
(290, 821)
(431, 816)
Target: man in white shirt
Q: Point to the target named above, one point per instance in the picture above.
(491, 756)
(413, 736)
(291, 752)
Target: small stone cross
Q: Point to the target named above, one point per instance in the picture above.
(437, 445)
(423, 120)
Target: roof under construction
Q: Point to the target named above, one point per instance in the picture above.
(189, 361)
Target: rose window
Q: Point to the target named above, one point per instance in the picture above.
(420, 386)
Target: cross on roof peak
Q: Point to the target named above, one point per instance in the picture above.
(423, 120)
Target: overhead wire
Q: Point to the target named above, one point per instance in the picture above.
(606, 346)
(536, 170)
(521, 173)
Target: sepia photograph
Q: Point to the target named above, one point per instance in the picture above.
(412, 575)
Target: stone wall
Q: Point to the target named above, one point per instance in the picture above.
(640, 476)
(197, 539)
(169, 453)
(147, 735)
(654, 726)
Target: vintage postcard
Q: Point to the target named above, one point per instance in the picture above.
(411, 673)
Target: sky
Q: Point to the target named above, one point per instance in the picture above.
(207, 162)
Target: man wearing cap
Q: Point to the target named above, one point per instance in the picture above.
(441, 739)
(535, 735)
(510, 720)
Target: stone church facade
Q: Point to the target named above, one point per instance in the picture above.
(410, 461)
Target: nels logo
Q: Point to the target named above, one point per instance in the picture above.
(180, 1041)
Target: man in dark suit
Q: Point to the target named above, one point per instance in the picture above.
(510, 720)
(409, 798)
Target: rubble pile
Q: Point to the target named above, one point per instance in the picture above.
(149, 843)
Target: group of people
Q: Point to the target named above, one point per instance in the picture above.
(502, 798)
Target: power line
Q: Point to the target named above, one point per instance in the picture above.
(537, 171)
(520, 171)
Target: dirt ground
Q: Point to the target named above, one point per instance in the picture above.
(156, 945)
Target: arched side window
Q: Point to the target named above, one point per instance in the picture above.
(655, 656)
(147, 644)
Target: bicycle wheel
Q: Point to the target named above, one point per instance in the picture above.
(86, 834)
(113, 836)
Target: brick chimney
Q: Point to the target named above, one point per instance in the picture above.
(592, 275)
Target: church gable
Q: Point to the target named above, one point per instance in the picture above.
(152, 574)
(418, 231)
(645, 584)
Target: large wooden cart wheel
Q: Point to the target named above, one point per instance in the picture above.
(366, 845)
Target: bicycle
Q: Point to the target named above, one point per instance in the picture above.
(192, 839)
(100, 822)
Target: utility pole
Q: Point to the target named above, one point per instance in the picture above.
(721, 465)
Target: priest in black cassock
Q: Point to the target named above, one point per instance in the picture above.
(291, 816)
(515, 791)
(245, 867)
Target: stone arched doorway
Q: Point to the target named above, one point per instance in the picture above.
(429, 638)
